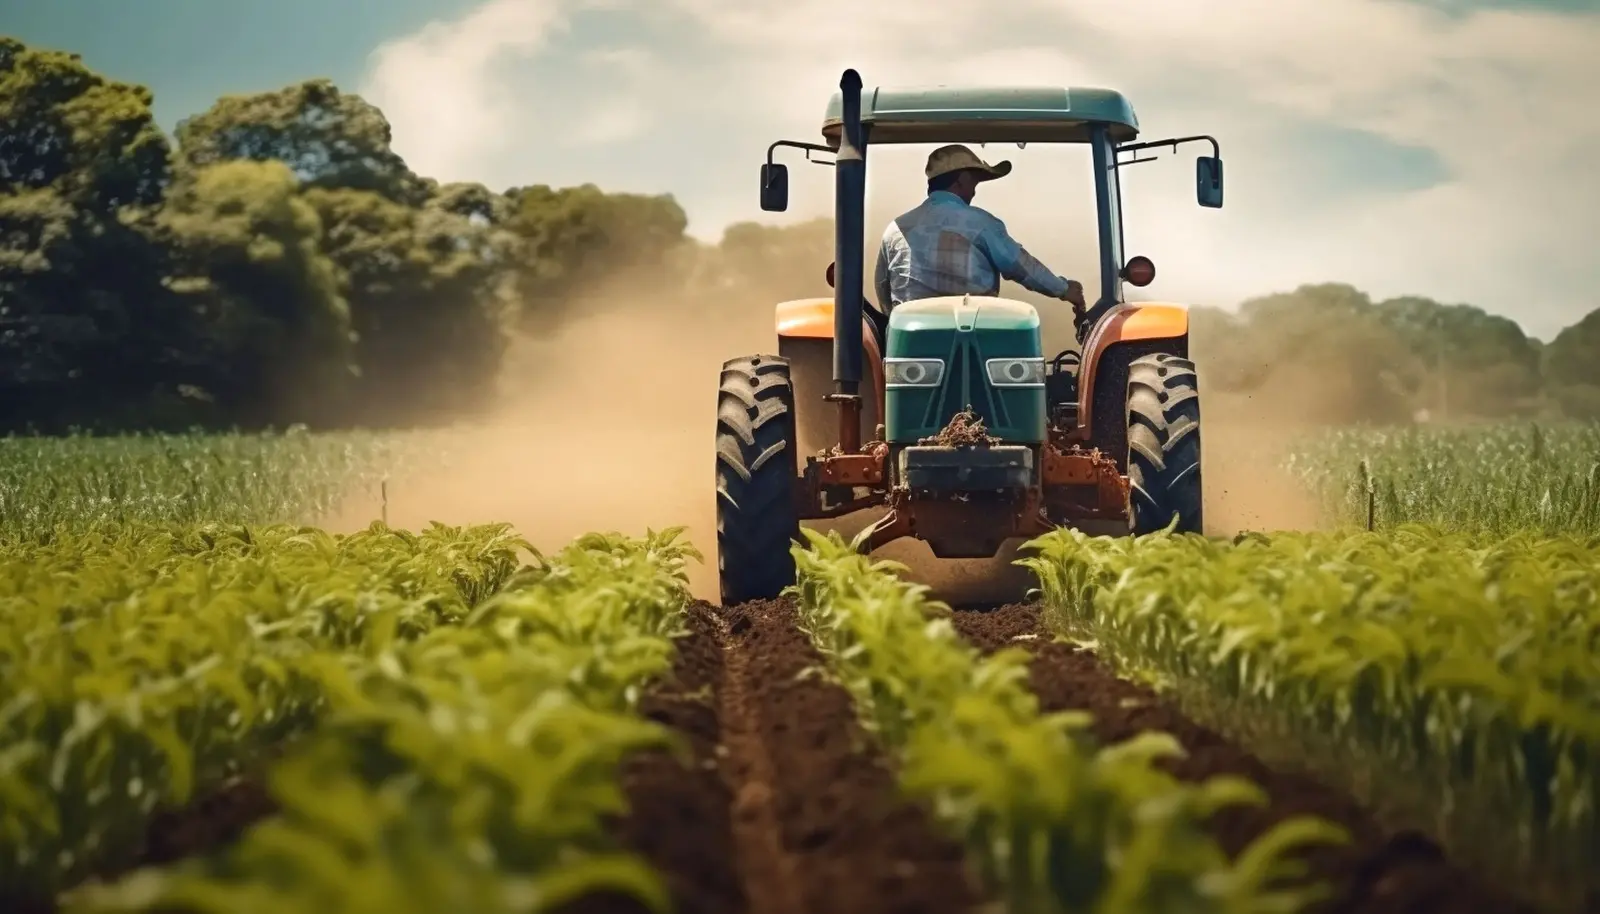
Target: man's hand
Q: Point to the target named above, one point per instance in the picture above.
(1074, 294)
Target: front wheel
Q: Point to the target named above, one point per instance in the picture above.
(1164, 444)
(756, 473)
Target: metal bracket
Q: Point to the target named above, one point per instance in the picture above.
(808, 147)
(1174, 143)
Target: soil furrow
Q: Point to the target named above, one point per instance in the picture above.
(679, 816)
(1375, 873)
(819, 817)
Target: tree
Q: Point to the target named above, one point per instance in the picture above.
(419, 267)
(428, 297)
(775, 263)
(86, 326)
(1572, 368)
(583, 242)
(328, 138)
(89, 139)
(276, 340)
(1470, 362)
(1322, 353)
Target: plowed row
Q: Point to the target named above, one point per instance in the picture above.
(784, 806)
(797, 813)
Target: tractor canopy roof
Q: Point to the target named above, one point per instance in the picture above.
(986, 114)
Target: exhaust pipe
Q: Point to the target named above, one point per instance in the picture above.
(850, 193)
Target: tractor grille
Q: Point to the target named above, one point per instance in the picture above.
(966, 384)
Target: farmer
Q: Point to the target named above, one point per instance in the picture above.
(947, 246)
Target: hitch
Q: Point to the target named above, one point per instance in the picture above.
(849, 421)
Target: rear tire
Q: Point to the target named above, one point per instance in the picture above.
(756, 474)
(1164, 444)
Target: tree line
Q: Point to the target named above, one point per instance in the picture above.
(276, 262)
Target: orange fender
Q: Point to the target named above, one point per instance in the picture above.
(1129, 322)
(812, 318)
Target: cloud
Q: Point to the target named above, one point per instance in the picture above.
(1397, 145)
(439, 86)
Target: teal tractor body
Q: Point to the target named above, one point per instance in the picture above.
(946, 356)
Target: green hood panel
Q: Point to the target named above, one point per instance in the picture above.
(964, 332)
(965, 312)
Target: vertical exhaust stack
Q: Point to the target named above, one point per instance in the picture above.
(850, 192)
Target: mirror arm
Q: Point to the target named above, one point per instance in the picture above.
(796, 144)
(1174, 143)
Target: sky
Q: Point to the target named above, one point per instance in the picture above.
(1434, 147)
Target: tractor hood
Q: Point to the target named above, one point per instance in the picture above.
(964, 313)
(963, 333)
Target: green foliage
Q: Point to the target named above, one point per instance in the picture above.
(68, 129)
(428, 297)
(469, 716)
(282, 265)
(143, 666)
(1492, 479)
(1052, 822)
(580, 240)
(86, 328)
(328, 138)
(1328, 353)
(49, 485)
(1574, 371)
(249, 256)
(1454, 671)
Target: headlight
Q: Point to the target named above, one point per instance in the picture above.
(913, 372)
(1016, 372)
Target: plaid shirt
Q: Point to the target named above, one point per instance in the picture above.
(946, 246)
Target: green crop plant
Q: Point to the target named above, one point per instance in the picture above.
(1052, 822)
(1491, 479)
(142, 667)
(471, 768)
(295, 477)
(1455, 671)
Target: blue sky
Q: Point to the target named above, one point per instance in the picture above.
(1436, 147)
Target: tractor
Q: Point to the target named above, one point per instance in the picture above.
(977, 438)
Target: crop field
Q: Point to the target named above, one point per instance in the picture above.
(209, 702)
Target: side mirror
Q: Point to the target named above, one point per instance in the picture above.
(1208, 177)
(774, 187)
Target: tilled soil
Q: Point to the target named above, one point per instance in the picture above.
(680, 815)
(787, 809)
(1382, 874)
(818, 820)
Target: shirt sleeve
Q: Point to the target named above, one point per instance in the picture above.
(1014, 262)
(880, 281)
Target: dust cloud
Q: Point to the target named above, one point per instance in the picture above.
(1246, 486)
(1247, 435)
(605, 425)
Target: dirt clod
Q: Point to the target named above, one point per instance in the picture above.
(965, 429)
